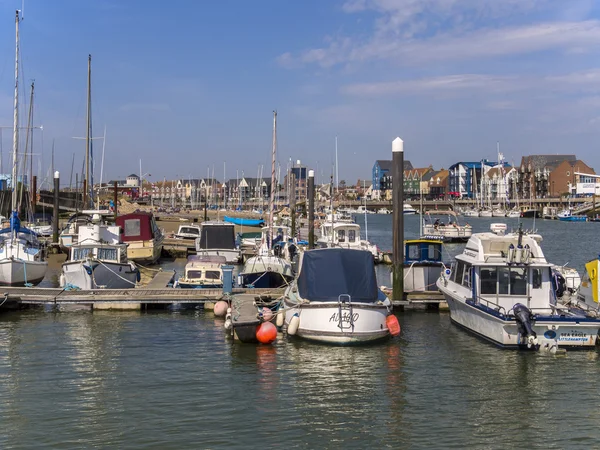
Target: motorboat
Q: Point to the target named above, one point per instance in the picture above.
(498, 212)
(486, 212)
(471, 213)
(335, 299)
(41, 225)
(422, 265)
(22, 261)
(242, 221)
(408, 209)
(513, 214)
(143, 237)
(217, 238)
(362, 209)
(435, 228)
(202, 272)
(69, 233)
(345, 234)
(500, 289)
(383, 211)
(567, 215)
(99, 259)
(188, 231)
(587, 297)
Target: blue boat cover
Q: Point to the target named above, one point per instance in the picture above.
(330, 272)
(243, 221)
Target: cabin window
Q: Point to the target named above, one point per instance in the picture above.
(458, 272)
(503, 280)
(341, 235)
(190, 230)
(193, 274)
(413, 252)
(81, 253)
(467, 276)
(518, 281)
(132, 227)
(432, 253)
(488, 280)
(107, 254)
(536, 278)
(351, 235)
(212, 275)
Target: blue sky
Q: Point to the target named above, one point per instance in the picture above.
(188, 85)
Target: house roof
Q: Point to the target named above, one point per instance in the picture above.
(429, 175)
(133, 175)
(550, 161)
(385, 164)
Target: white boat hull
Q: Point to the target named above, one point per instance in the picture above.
(17, 272)
(503, 332)
(321, 322)
(94, 275)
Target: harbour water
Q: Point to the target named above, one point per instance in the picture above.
(171, 380)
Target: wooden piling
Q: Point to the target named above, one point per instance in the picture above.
(398, 224)
(311, 209)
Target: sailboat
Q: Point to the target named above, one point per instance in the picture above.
(266, 270)
(21, 258)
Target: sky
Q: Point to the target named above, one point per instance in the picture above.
(187, 86)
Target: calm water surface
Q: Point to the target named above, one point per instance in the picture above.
(171, 380)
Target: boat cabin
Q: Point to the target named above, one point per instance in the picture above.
(140, 226)
(344, 234)
(422, 265)
(103, 252)
(188, 232)
(216, 235)
(203, 272)
(497, 270)
(423, 251)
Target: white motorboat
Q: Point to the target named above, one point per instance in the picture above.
(486, 212)
(383, 211)
(513, 214)
(143, 237)
(202, 272)
(471, 213)
(345, 234)
(99, 260)
(499, 212)
(408, 209)
(434, 227)
(188, 231)
(422, 265)
(335, 299)
(217, 238)
(69, 233)
(501, 289)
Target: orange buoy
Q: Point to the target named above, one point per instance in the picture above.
(267, 314)
(266, 333)
(220, 308)
(393, 325)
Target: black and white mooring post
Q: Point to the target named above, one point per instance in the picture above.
(398, 225)
(55, 212)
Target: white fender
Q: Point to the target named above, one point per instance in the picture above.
(61, 280)
(294, 324)
(280, 318)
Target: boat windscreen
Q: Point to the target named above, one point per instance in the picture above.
(217, 237)
(328, 273)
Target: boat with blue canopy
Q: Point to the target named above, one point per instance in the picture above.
(244, 221)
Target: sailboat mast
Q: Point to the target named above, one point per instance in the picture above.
(87, 132)
(16, 117)
(272, 199)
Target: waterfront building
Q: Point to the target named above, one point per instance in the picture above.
(382, 177)
(586, 184)
(534, 176)
(438, 185)
(564, 177)
(464, 179)
(500, 182)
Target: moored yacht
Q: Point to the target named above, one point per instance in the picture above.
(452, 230)
(345, 234)
(408, 209)
(500, 289)
(99, 260)
(217, 238)
(143, 237)
(335, 299)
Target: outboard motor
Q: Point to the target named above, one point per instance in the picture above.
(524, 320)
(559, 284)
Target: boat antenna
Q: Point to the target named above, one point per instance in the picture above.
(366, 223)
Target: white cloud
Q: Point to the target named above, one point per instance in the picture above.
(410, 32)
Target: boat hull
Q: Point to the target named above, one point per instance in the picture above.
(328, 323)
(144, 252)
(93, 275)
(16, 272)
(502, 331)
